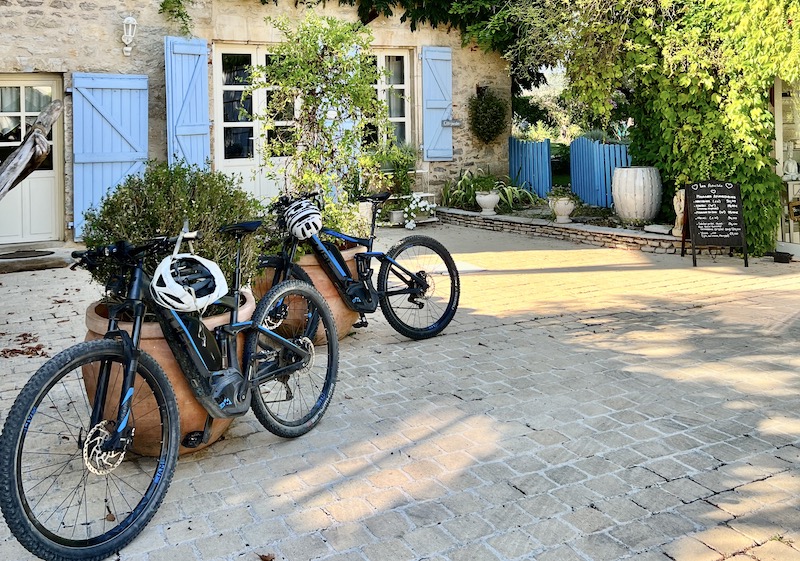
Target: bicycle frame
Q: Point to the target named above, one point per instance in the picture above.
(334, 266)
(199, 352)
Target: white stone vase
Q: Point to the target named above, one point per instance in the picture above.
(487, 200)
(396, 216)
(637, 193)
(562, 207)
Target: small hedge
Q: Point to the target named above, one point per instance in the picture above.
(488, 115)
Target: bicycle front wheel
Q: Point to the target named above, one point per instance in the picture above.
(296, 390)
(422, 308)
(62, 496)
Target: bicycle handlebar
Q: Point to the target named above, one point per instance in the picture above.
(124, 251)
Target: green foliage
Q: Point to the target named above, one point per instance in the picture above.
(697, 75)
(156, 204)
(175, 10)
(324, 68)
(514, 198)
(563, 191)
(399, 161)
(536, 132)
(487, 115)
(462, 193)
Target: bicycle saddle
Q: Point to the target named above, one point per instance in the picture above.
(241, 227)
(378, 197)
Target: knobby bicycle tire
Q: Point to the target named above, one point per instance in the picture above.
(426, 315)
(62, 497)
(291, 404)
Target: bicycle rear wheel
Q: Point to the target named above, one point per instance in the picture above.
(298, 390)
(62, 496)
(415, 314)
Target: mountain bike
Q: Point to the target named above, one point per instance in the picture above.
(75, 483)
(417, 285)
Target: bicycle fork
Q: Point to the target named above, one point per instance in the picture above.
(122, 434)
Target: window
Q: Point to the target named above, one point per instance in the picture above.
(19, 107)
(240, 131)
(395, 89)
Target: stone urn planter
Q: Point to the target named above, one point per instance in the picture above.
(562, 207)
(343, 316)
(487, 200)
(637, 193)
(396, 216)
(192, 414)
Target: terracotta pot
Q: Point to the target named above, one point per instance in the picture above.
(343, 316)
(192, 414)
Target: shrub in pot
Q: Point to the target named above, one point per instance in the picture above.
(156, 203)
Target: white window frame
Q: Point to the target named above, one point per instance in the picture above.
(404, 89)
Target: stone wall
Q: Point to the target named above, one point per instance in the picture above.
(60, 37)
(617, 238)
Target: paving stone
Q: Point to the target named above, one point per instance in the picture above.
(579, 390)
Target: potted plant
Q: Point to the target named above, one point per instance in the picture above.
(562, 201)
(415, 208)
(488, 115)
(323, 71)
(156, 203)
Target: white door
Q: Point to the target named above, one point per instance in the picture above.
(237, 137)
(33, 211)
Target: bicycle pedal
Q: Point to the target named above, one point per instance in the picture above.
(361, 323)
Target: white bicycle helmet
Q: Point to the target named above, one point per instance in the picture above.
(185, 282)
(303, 219)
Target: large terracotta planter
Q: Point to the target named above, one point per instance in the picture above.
(637, 193)
(342, 315)
(192, 414)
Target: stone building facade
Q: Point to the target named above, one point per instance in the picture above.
(48, 43)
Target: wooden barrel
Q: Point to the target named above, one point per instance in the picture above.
(637, 193)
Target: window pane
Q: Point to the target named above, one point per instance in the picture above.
(37, 98)
(400, 132)
(235, 69)
(284, 113)
(280, 134)
(397, 105)
(9, 99)
(232, 104)
(396, 68)
(238, 143)
(10, 129)
(29, 121)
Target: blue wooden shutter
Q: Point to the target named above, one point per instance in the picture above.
(109, 120)
(437, 103)
(188, 126)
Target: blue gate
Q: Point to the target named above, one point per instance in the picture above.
(591, 169)
(529, 165)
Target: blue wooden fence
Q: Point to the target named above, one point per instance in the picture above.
(529, 165)
(591, 167)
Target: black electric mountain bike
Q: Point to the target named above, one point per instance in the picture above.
(417, 285)
(90, 445)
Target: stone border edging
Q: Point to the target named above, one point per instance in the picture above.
(617, 238)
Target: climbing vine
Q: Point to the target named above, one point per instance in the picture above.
(700, 74)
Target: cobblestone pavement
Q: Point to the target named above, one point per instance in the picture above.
(585, 404)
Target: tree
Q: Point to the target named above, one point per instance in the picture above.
(321, 78)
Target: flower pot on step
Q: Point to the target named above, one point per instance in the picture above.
(637, 193)
(487, 200)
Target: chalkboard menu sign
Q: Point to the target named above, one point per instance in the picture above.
(714, 211)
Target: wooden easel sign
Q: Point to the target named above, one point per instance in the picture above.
(713, 213)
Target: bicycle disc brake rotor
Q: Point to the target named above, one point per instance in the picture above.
(308, 345)
(96, 460)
